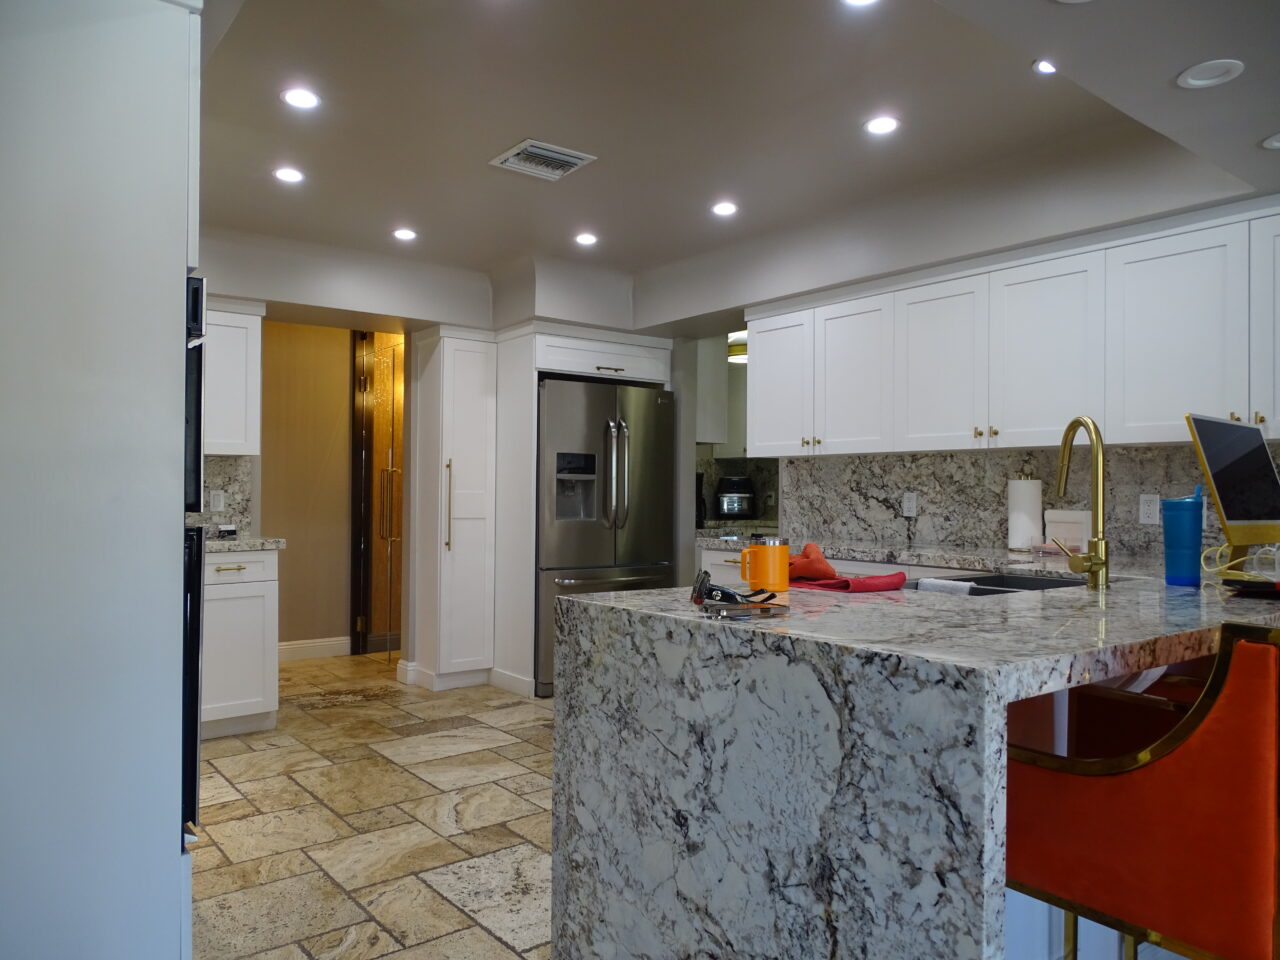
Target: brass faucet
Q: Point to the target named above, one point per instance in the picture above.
(1094, 563)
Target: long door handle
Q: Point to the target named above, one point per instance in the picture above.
(389, 498)
(383, 532)
(567, 582)
(448, 537)
(625, 510)
(611, 504)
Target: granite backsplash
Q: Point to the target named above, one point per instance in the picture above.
(762, 471)
(234, 477)
(962, 495)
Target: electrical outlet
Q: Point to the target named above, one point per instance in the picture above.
(909, 503)
(217, 501)
(770, 499)
(1148, 508)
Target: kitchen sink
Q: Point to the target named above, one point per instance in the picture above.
(1018, 581)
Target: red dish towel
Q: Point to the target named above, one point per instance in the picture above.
(891, 581)
(810, 564)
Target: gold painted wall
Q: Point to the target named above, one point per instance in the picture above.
(306, 483)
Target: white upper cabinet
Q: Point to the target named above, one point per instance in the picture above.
(712, 417)
(940, 350)
(232, 383)
(1177, 333)
(1264, 314)
(780, 385)
(853, 376)
(1048, 328)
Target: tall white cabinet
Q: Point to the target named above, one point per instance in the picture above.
(453, 507)
(940, 400)
(1177, 332)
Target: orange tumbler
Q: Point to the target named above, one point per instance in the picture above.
(766, 564)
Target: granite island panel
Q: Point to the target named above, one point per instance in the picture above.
(243, 544)
(829, 785)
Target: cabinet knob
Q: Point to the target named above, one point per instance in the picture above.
(817, 441)
(1234, 416)
(994, 432)
(1258, 417)
(804, 441)
(977, 433)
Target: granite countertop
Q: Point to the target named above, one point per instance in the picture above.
(994, 559)
(1028, 643)
(243, 543)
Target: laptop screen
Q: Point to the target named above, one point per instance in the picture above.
(1240, 469)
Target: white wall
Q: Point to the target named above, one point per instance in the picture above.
(582, 294)
(1069, 188)
(269, 268)
(92, 266)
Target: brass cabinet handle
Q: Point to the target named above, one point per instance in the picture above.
(238, 566)
(804, 441)
(612, 369)
(994, 431)
(817, 441)
(977, 433)
(1258, 417)
(1235, 417)
(448, 541)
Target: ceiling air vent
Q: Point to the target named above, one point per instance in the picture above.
(540, 159)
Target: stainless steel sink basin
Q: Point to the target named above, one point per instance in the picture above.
(1018, 581)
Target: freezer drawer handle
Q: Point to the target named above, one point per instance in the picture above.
(567, 582)
(625, 511)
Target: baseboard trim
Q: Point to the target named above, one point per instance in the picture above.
(230, 726)
(523, 686)
(319, 647)
(410, 672)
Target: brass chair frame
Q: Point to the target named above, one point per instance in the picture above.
(1229, 635)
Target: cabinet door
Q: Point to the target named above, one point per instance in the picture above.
(1264, 319)
(940, 351)
(468, 421)
(232, 384)
(735, 441)
(1177, 333)
(1048, 328)
(240, 657)
(853, 376)
(780, 385)
(713, 391)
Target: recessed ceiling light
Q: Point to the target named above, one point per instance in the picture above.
(289, 175)
(1044, 66)
(300, 97)
(1272, 142)
(881, 125)
(859, 3)
(404, 233)
(1211, 73)
(586, 239)
(725, 208)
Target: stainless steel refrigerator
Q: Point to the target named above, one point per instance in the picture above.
(606, 486)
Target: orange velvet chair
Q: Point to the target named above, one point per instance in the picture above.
(1175, 843)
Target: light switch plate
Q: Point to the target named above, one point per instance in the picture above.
(909, 503)
(1148, 508)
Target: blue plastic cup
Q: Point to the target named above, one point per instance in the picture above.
(1183, 519)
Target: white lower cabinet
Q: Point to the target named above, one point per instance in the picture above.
(453, 519)
(940, 350)
(240, 658)
(1177, 333)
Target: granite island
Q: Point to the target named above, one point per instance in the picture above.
(828, 785)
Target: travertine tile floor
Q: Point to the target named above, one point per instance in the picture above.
(377, 820)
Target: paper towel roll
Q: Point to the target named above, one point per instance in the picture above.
(1026, 517)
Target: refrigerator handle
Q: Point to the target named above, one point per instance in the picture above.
(611, 506)
(625, 510)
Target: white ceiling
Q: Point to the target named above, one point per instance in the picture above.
(683, 102)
